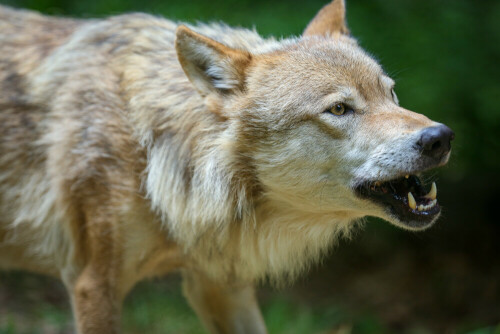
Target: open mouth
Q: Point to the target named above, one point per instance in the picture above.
(405, 198)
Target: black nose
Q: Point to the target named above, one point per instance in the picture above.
(435, 141)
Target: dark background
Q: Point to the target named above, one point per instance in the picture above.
(444, 56)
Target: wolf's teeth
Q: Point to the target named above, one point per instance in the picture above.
(433, 192)
(407, 176)
(422, 207)
(411, 201)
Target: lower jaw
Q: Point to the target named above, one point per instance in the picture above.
(416, 227)
(414, 222)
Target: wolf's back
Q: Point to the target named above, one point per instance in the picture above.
(26, 38)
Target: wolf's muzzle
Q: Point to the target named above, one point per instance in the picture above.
(435, 142)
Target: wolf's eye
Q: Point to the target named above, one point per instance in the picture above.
(338, 109)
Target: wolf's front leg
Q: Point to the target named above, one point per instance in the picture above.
(95, 304)
(224, 309)
(95, 283)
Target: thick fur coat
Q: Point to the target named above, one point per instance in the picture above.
(132, 146)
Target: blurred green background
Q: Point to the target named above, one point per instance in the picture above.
(444, 55)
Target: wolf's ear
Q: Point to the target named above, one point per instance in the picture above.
(211, 66)
(329, 21)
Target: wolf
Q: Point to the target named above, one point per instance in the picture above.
(134, 146)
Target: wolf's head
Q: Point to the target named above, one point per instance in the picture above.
(320, 124)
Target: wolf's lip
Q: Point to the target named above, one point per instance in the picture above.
(405, 197)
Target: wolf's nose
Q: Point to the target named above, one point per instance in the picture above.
(435, 141)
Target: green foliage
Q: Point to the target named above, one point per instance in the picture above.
(486, 330)
(159, 309)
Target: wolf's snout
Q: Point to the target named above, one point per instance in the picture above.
(435, 141)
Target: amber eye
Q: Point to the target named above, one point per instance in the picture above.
(338, 109)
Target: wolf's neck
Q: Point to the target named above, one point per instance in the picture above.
(290, 240)
(278, 243)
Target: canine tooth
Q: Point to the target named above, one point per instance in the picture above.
(433, 192)
(407, 176)
(411, 201)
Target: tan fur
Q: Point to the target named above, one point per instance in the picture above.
(330, 20)
(131, 147)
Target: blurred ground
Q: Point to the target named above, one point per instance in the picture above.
(444, 56)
